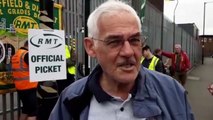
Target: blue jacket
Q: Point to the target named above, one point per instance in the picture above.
(156, 97)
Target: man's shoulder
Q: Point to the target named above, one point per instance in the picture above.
(162, 82)
(75, 88)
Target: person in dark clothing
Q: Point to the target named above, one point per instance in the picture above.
(150, 61)
(71, 70)
(157, 53)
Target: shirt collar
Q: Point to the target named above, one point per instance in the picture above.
(95, 87)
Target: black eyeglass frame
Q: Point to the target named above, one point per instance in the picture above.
(133, 40)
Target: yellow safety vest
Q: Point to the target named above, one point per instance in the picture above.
(71, 69)
(153, 62)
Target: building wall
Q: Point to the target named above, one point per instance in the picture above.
(158, 4)
(208, 45)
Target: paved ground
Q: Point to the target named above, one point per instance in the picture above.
(200, 99)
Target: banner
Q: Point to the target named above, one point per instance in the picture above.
(16, 17)
(47, 59)
(142, 10)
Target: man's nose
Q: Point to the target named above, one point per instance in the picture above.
(126, 49)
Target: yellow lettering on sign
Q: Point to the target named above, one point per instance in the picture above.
(18, 11)
(1, 13)
(36, 15)
(55, 19)
(35, 7)
(12, 3)
(27, 6)
(23, 23)
(4, 3)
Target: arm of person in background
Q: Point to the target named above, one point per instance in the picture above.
(167, 63)
(70, 62)
(167, 54)
(159, 66)
(70, 57)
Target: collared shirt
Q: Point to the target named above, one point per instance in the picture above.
(115, 109)
(103, 106)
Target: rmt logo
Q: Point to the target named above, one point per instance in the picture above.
(47, 40)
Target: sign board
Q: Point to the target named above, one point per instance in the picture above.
(20, 15)
(47, 59)
(16, 17)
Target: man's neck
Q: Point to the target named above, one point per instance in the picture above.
(114, 88)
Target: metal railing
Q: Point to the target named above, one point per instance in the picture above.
(10, 105)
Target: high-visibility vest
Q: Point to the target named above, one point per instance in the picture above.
(153, 62)
(70, 69)
(21, 72)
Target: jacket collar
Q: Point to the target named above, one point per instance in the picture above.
(144, 96)
(95, 87)
(145, 101)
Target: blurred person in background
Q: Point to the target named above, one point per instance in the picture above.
(157, 53)
(150, 61)
(71, 68)
(26, 90)
(180, 63)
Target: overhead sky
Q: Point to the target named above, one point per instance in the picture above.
(191, 11)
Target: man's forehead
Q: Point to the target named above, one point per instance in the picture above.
(177, 46)
(117, 34)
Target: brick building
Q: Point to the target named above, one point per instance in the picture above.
(208, 44)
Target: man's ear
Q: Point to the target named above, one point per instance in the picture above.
(89, 46)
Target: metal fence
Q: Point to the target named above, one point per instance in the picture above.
(9, 105)
(160, 34)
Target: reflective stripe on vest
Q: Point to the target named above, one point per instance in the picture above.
(21, 64)
(153, 62)
(21, 72)
(71, 69)
(19, 67)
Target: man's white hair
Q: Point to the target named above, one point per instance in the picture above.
(177, 45)
(109, 6)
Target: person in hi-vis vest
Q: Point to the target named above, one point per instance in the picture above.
(71, 69)
(150, 61)
(26, 90)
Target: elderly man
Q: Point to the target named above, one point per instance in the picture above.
(119, 88)
(180, 63)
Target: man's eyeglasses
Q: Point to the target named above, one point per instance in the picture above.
(117, 42)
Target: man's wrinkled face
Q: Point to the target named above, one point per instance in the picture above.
(118, 46)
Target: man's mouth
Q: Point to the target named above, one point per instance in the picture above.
(127, 65)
